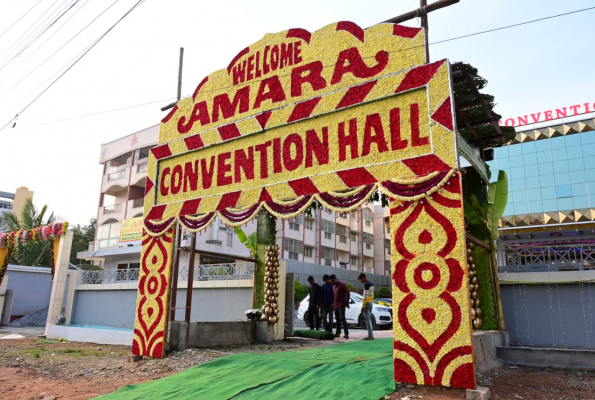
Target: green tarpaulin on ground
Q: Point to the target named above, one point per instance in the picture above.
(355, 370)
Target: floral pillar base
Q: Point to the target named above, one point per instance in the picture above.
(432, 331)
(153, 294)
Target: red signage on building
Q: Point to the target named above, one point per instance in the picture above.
(549, 115)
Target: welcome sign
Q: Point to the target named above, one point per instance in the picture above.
(323, 104)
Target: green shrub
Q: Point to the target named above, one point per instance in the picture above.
(299, 293)
(385, 292)
(350, 287)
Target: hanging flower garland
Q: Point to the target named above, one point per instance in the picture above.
(35, 235)
(406, 190)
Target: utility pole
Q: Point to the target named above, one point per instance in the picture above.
(422, 12)
(167, 107)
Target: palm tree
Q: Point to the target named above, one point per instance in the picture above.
(33, 254)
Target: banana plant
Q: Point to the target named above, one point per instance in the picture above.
(248, 241)
(487, 216)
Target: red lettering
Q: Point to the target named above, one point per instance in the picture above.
(293, 163)
(223, 168)
(297, 52)
(317, 147)
(561, 113)
(243, 162)
(275, 57)
(396, 143)
(356, 65)
(416, 140)
(277, 167)
(228, 109)
(533, 118)
(199, 113)
(286, 55)
(507, 123)
(250, 72)
(258, 73)
(348, 140)
(265, 67)
(373, 122)
(162, 188)
(575, 109)
(548, 115)
(587, 107)
(191, 176)
(207, 174)
(264, 159)
(176, 179)
(524, 121)
(239, 73)
(314, 78)
(275, 91)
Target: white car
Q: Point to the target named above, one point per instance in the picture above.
(382, 316)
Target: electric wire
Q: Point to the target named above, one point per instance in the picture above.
(73, 64)
(17, 21)
(31, 30)
(54, 53)
(258, 80)
(39, 35)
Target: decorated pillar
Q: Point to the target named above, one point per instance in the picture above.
(60, 256)
(432, 331)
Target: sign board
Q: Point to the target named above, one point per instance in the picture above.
(131, 230)
(341, 105)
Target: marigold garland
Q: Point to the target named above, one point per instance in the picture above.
(35, 235)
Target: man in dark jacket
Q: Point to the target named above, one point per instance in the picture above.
(315, 303)
(328, 304)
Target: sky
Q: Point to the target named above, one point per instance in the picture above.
(531, 68)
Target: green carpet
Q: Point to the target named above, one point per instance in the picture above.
(355, 370)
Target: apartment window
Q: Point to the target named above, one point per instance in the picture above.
(124, 273)
(328, 254)
(108, 234)
(222, 228)
(294, 223)
(368, 240)
(387, 265)
(342, 215)
(354, 261)
(308, 252)
(328, 228)
(387, 245)
(293, 256)
(343, 232)
(309, 224)
(368, 216)
(353, 237)
(293, 246)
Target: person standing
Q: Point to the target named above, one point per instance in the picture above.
(328, 304)
(341, 302)
(368, 303)
(314, 303)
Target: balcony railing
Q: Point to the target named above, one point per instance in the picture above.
(138, 203)
(116, 175)
(547, 258)
(116, 208)
(201, 273)
(141, 167)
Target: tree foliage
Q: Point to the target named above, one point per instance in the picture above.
(82, 236)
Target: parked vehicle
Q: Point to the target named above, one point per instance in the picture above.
(382, 315)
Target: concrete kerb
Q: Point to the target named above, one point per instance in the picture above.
(546, 357)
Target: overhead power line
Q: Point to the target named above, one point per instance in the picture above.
(54, 53)
(433, 43)
(17, 21)
(73, 64)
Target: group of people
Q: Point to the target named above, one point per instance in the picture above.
(333, 297)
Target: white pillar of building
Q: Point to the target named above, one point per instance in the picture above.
(59, 284)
